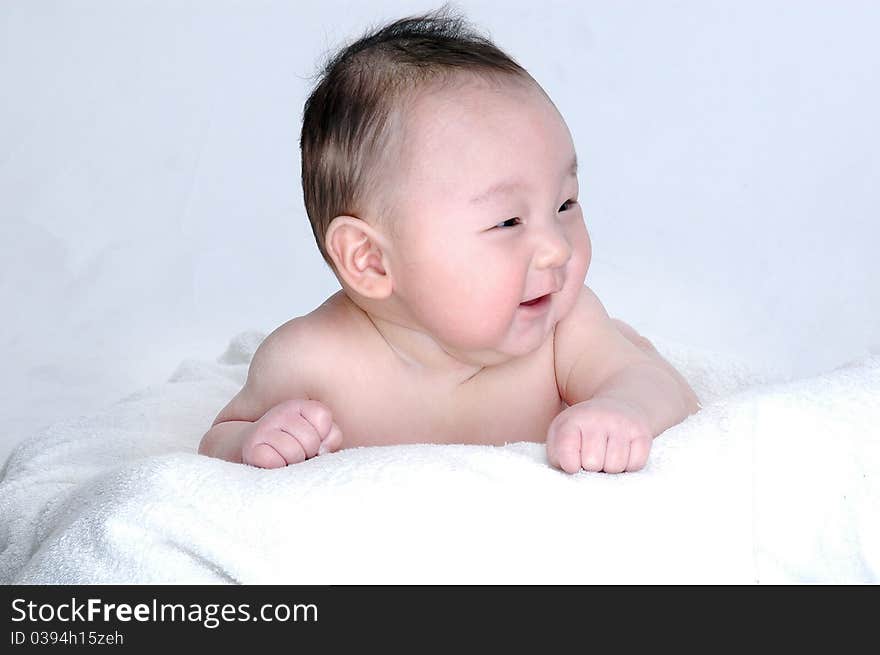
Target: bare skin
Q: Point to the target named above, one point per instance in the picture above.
(380, 400)
(434, 337)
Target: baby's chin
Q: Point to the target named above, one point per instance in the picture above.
(523, 344)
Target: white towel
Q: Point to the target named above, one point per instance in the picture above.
(773, 481)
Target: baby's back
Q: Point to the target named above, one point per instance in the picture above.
(377, 399)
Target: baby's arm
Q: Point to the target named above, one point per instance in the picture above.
(272, 421)
(620, 395)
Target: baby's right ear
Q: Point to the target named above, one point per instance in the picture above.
(359, 253)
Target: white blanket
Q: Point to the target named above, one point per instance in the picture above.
(773, 481)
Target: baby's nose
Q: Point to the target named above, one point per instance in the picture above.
(554, 250)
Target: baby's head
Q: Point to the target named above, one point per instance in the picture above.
(440, 182)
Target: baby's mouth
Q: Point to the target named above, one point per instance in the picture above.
(535, 301)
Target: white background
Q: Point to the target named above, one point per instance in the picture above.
(151, 205)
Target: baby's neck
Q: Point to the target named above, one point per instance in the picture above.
(418, 351)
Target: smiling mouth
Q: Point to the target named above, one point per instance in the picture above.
(535, 301)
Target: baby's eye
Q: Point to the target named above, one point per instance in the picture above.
(504, 223)
(567, 202)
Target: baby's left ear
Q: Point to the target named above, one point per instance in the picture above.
(358, 251)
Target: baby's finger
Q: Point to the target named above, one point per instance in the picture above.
(616, 455)
(305, 433)
(638, 454)
(563, 448)
(332, 442)
(290, 449)
(319, 415)
(593, 444)
(271, 448)
(263, 456)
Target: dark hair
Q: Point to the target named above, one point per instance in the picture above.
(354, 113)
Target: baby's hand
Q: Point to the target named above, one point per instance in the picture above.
(600, 434)
(289, 433)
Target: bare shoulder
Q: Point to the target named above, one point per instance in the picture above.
(589, 347)
(573, 331)
(290, 362)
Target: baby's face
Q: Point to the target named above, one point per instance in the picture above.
(487, 218)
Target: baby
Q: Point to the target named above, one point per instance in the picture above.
(441, 184)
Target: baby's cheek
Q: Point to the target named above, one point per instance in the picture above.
(472, 303)
(582, 252)
(481, 320)
(576, 274)
(479, 324)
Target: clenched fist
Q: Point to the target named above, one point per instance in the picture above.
(289, 433)
(600, 434)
